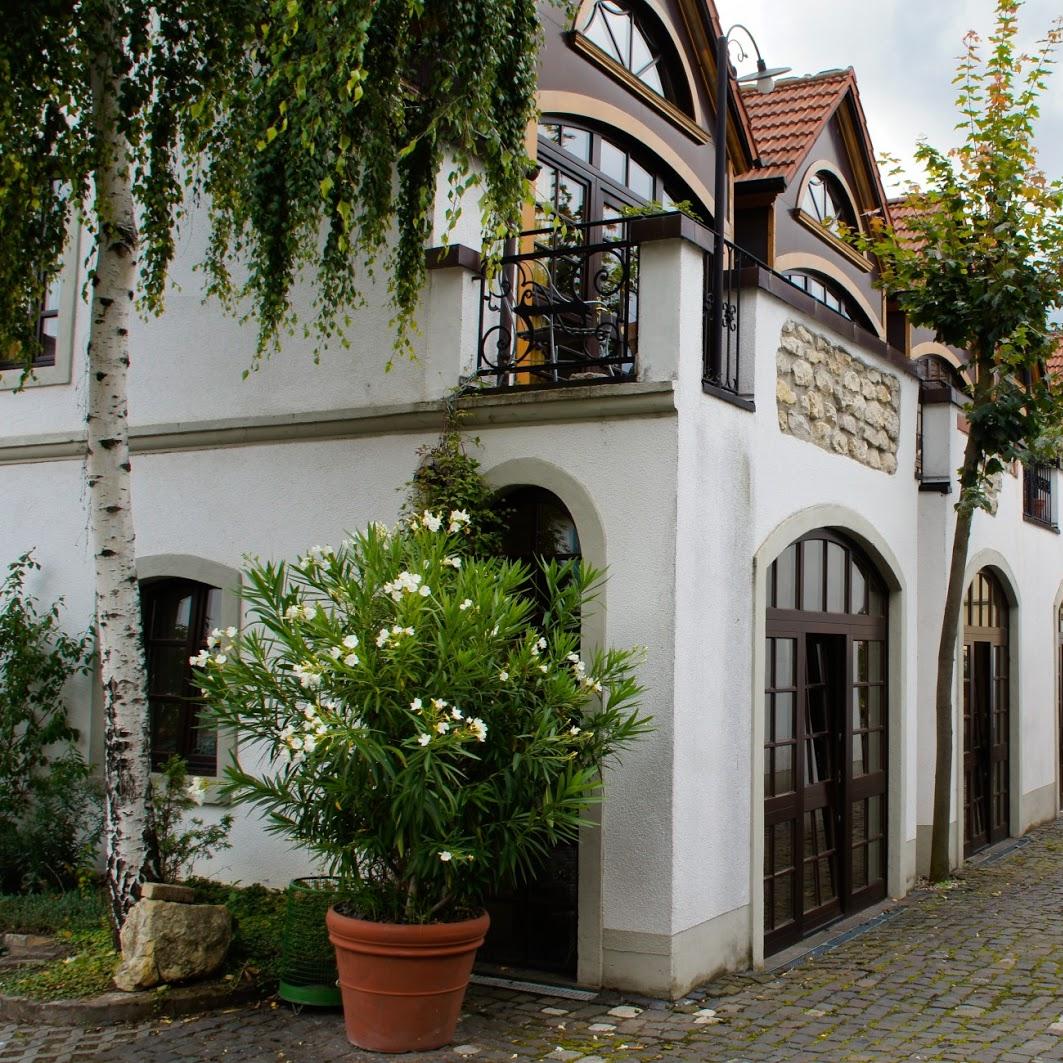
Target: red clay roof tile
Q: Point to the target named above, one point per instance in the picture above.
(786, 121)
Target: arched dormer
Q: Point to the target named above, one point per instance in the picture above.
(826, 205)
(634, 37)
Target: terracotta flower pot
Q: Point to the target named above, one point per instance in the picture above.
(402, 986)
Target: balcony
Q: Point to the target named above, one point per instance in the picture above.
(562, 307)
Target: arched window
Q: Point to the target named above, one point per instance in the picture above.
(178, 615)
(986, 713)
(826, 202)
(932, 368)
(821, 290)
(630, 40)
(585, 175)
(825, 737)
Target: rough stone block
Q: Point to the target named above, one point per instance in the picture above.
(167, 942)
(784, 393)
(839, 441)
(165, 891)
(802, 372)
(821, 432)
(799, 426)
(867, 389)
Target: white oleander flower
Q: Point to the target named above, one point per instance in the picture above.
(335, 653)
(458, 520)
(424, 591)
(438, 703)
(220, 658)
(200, 659)
(541, 643)
(543, 668)
(454, 562)
(416, 705)
(424, 739)
(465, 604)
(575, 731)
(230, 632)
(478, 728)
(442, 727)
(456, 714)
(213, 639)
(503, 675)
(350, 641)
(446, 857)
(382, 637)
(432, 521)
(351, 660)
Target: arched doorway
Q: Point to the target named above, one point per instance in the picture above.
(825, 737)
(534, 924)
(986, 714)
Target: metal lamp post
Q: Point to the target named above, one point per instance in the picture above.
(765, 81)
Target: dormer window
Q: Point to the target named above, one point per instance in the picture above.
(825, 201)
(614, 28)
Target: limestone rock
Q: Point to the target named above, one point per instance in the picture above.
(164, 941)
(802, 372)
(167, 891)
(799, 426)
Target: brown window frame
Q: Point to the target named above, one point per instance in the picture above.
(189, 702)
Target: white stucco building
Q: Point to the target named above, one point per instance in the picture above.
(775, 515)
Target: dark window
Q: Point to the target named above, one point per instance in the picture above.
(821, 290)
(47, 331)
(631, 40)
(178, 616)
(584, 175)
(933, 369)
(825, 201)
(1037, 493)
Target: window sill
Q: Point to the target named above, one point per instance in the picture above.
(1037, 522)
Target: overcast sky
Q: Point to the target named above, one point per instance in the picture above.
(904, 54)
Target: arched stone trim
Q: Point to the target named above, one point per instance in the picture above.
(828, 167)
(796, 260)
(900, 870)
(583, 14)
(534, 472)
(228, 581)
(996, 563)
(553, 101)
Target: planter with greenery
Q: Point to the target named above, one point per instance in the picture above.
(427, 728)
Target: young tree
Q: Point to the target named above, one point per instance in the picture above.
(982, 265)
(313, 133)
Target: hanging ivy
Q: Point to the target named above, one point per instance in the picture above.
(312, 133)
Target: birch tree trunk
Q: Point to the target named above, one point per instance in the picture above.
(128, 826)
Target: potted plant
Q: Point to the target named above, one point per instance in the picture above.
(423, 722)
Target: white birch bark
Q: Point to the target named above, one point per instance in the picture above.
(127, 768)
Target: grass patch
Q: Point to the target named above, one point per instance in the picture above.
(81, 921)
(86, 973)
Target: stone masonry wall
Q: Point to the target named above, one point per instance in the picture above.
(828, 397)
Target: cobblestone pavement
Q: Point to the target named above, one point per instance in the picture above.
(970, 972)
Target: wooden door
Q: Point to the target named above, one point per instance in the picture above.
(986, 715)
(824, 739)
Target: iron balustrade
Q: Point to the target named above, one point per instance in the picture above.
(562, 306)
(722, 338)
(1037, 493)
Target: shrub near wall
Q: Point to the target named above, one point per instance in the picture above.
(49, 811)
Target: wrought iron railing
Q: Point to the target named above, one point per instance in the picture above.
(722, 337)
(1037, 493)
(562, 306)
